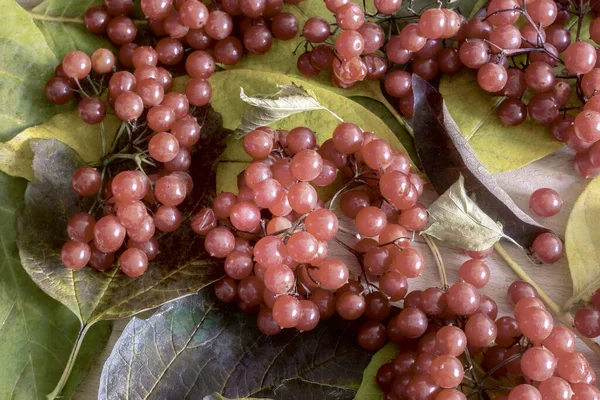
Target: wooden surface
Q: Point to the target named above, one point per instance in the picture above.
(555, 171)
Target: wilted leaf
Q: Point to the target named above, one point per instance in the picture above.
(269, 108)
(25, 66)
(37, 332)
(581, 240)
(499, 148)
(369, 389)
(181, 268)
(61, 23)
(199, 346)
(445, 154)
(456, 220)
(16, 155)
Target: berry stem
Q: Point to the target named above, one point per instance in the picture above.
(579, 20)
(70, 363)
(103, 138)
(439, 261)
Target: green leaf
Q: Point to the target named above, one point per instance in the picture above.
(181, 268)
(456, 220)
(390, 120)
(270, 108)
(499, 148)
(199, 346)
(37, 332)
(26, 65)
(61, 23)
(16, 155)
(369, 389)
(581, 240)
(585, 27)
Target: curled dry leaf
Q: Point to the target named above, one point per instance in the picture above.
(456, 220)
(445, 155)
(581, 239)
(198, 346)
(182, 268)
(266, 109)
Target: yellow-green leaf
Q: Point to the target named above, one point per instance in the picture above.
(369, 390)
(499, 148)
(26, 64)
(61, 23)
(16, 155)
(226, 100)
(585, 27)
(582, 237)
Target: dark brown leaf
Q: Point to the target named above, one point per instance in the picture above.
(445, 154)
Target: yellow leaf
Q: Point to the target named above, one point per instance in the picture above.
(499, 148)
(16, 156)
(581, 238)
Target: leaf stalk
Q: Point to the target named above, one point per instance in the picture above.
(70, 363)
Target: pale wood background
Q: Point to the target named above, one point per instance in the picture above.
(555, 171)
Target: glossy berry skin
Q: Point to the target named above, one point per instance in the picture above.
(545, 202)
(547, 247)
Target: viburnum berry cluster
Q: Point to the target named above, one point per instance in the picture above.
(227, 28)
(159, 131)
(522, 51)
(274, 233)
(441, 333)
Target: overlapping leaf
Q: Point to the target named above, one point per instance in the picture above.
(37, 332)
(181, 268)
(199, 346)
